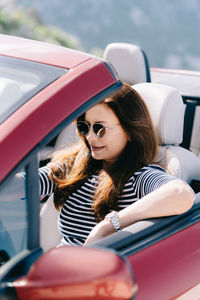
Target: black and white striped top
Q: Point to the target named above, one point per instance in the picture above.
(76, 218)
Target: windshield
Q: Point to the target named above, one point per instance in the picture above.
(20, 80)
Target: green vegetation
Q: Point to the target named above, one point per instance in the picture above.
(27, 23)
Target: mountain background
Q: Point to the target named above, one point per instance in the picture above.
(167, 30)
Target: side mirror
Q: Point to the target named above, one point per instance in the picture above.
(78, 273)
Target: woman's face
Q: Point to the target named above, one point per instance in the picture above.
(108, 147)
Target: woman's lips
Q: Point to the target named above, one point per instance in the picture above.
(94, 148)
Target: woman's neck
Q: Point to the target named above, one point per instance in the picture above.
(107, 165)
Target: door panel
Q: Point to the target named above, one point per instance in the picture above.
(170, 267)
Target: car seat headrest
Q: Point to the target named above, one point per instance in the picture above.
(129, 61)
(167, 111)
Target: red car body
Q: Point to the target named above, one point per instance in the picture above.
(163, 254)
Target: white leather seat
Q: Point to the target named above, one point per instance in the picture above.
(132, 67)
(195, 138)
(129, 61)
(65, 138)
(49, 234)
(167, 111)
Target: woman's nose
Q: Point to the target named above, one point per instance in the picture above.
(91, 135)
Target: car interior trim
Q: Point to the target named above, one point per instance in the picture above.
(191, 104)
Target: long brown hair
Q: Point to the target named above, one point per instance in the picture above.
(76, 163)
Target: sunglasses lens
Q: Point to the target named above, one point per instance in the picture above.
(99, 130)
(82, 128)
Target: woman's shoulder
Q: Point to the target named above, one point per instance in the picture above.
(148, 178)
(150, 171)
(151, 168)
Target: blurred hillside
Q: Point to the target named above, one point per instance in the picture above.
(168, 31)
(26, 22)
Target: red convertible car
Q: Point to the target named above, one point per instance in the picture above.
(43, 88)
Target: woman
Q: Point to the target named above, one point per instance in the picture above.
(110, 180)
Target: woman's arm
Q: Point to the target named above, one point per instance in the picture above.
(173, 198)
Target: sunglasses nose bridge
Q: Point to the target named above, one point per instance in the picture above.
(91, 134)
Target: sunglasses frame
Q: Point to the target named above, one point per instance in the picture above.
(89, 126)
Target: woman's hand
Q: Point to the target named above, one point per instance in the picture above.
(101, 230)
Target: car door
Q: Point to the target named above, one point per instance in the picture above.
(169, 268)
(164, 254)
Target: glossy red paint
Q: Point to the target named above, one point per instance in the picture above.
(77, 273)
(41, 52)
(34, 120)
(170, 267)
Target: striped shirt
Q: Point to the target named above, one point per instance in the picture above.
(76, 218)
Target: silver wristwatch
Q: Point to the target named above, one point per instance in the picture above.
(114, 220)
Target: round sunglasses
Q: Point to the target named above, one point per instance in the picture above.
(99, 129)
